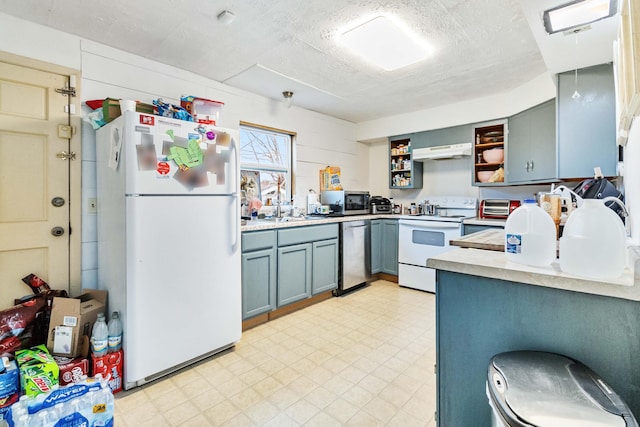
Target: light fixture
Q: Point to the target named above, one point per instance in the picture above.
(226, 17)
(576, 94)
(577, 13)
(385, 42)
(287, 94)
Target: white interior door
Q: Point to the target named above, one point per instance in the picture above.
(34, 181)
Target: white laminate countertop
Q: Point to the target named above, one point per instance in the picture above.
(485, 221)
(492, 264)
(269, 224)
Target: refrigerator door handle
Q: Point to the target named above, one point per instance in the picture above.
(236, 200)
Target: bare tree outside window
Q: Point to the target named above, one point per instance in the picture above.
(268, 153)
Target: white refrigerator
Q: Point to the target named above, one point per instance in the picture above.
(169, 240)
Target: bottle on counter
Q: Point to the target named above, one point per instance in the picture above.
(114, 333)
(99, 336)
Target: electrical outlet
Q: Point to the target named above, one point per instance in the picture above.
(92, 205)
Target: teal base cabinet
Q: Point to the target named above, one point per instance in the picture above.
(376, 246)
(389, 245)
(384, 246)
(478, 317)
(283, 266)
(324, 267)
(294, 273)
(258, 273)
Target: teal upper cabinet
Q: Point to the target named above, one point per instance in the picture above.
(532, 145)
(445, 136)
(404, 173)
(587, 124)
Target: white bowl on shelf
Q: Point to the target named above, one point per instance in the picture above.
(484, 176)
(495, 155)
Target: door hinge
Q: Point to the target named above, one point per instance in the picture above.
(67, 91)
(70, 87)
(66, 155)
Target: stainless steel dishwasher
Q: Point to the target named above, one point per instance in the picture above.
(355, 255)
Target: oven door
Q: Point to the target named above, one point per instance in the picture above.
(420, 239)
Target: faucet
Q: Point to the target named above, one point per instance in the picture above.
(278, 207)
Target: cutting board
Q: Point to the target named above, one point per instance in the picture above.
(491, 239)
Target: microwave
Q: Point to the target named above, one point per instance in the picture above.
(346, 202)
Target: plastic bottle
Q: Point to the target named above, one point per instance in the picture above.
(99, 336)
(115, 333)
(530, 236)
(104, 400)
(594, 242)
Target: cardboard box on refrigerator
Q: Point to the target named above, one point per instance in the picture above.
(71, 322)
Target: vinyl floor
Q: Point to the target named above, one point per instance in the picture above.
(363, 359)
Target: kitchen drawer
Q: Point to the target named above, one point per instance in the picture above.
(257, 240)
(294, 236)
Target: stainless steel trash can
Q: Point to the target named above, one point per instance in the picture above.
(532, 388)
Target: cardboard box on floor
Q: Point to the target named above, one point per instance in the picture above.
(72, 320)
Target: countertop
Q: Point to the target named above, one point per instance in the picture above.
(493, 264)
(485, 221)
(268, 224)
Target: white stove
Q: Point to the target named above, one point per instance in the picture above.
(453, 209)
(423, 236)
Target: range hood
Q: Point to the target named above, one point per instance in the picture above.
(442, 152)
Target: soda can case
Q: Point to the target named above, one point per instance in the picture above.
(72, 371)
(111, 367)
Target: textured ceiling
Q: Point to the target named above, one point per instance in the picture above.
(481, 46)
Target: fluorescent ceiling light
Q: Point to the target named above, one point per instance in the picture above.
(577, 13)
(385, 43)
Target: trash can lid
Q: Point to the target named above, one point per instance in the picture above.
(531, 388)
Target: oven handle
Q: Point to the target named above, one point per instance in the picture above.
(429, 224)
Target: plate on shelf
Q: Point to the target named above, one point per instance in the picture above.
(493, 133)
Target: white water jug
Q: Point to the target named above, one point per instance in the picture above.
(530, 236)
(594, 242)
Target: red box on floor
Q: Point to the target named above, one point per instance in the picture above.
(72, 370)
(110, 366)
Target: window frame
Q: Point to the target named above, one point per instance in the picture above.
(290, 170)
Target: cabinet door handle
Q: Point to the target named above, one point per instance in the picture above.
(532, 165)
(526, 167)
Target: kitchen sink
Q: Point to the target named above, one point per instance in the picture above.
(278, 220)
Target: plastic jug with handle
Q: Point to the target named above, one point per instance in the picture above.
(530, 236)
(594, 242)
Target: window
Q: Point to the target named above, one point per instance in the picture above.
(266, 163)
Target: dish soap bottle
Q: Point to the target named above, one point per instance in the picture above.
(530, 236)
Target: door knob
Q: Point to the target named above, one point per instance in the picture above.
(57, 231)
(57, 202)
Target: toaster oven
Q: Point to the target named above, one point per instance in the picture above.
(380, 205)
(497, 208)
